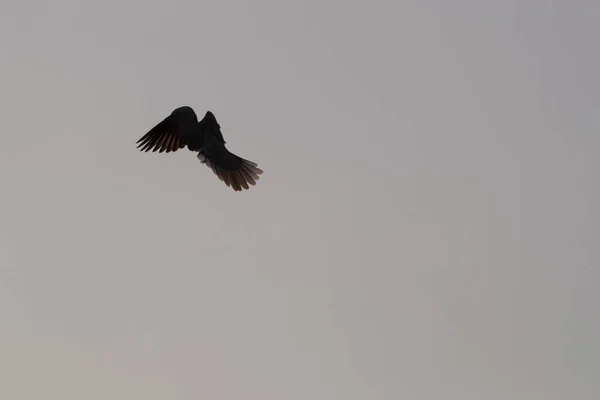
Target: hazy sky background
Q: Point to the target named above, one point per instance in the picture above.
(426, 228)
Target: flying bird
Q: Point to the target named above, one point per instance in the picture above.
(182, 128)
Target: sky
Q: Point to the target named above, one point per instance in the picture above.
(426, 227)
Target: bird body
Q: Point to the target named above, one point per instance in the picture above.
(182, 128)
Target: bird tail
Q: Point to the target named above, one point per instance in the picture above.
(236, 172)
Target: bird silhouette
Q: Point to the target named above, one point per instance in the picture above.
(182, 128)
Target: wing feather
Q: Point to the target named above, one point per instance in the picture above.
(172, 133)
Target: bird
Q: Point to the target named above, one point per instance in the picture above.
(181, 128)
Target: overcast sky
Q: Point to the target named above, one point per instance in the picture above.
(426, 227)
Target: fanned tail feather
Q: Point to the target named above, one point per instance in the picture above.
(234, 171)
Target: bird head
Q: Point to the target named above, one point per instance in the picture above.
(210, 118)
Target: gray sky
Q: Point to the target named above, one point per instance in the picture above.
(426, 227)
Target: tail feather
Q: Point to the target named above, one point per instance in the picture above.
(234, 171)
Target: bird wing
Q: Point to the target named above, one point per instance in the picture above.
(172, 133)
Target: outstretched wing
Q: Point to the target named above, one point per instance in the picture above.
(172, 133)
